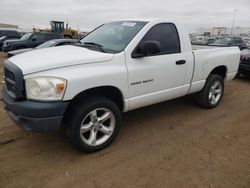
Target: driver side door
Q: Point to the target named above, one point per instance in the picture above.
(161, 76)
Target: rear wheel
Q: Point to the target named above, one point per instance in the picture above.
(94, 124)
(212, 93)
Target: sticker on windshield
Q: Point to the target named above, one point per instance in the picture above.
(130, 24)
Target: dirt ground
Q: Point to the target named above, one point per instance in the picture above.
(172, 144)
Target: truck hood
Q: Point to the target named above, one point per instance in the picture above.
(57, 57)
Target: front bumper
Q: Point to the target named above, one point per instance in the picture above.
(35, 116)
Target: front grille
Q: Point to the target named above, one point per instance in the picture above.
(9, 74)
(14, 80)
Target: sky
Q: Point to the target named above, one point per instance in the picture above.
(88, 14)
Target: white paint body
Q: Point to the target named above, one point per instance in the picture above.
(85, 69)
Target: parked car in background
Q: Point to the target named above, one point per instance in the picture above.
(247, 41)
(9, 33)
(50, 43)
(6, 35)
(211, 40)
(230, 41)
(244, 67)
(201, 40)
(29, 40)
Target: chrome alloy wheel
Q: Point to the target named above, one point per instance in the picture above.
(97, 126)
(215, 92)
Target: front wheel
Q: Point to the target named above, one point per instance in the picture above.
(94, 124)
(212, 93)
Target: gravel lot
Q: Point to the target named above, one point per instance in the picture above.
(172, 144)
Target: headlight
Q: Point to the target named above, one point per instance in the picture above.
(45, 88)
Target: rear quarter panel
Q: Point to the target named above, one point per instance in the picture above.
(206, 60)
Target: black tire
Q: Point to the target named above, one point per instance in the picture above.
(80, 111)
(202, 97)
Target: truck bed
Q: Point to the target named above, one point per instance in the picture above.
(207, 58)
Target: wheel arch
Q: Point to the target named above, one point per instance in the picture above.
(220, 70)
(110, 92)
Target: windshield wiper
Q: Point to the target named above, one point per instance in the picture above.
(92, 43)
(99, 46)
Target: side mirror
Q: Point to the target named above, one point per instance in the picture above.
(147, 48)
(33, 40)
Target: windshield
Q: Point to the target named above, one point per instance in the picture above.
(224, 41)
(113, 37)
(26, 36)
(46, 44)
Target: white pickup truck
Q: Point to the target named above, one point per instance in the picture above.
(120, 66)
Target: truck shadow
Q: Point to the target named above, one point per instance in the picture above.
(244, 78)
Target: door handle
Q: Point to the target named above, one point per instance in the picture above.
(180, 62)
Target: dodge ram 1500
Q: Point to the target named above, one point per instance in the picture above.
(120, 66)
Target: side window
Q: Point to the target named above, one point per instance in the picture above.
(37, 37)
(166, 34)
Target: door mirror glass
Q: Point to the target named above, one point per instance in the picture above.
(150, 48)
(33, 40)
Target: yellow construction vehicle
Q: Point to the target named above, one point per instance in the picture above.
(58, 26)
